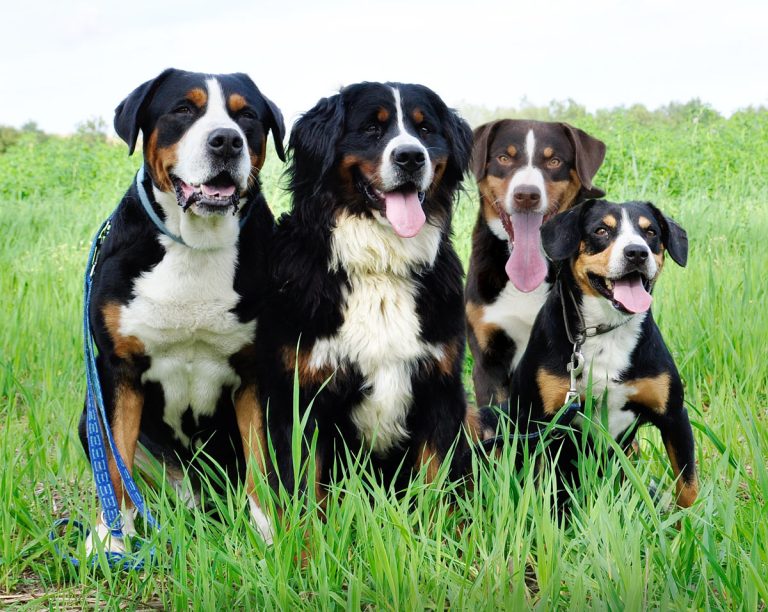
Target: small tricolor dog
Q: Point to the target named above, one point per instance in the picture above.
(607, 258)
(179, 285)
(369, 285)
(526, 171)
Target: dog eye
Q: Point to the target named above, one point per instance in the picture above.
(504, 160)
(373, 129)
(424, 130)
(650, 232)
(182, 109)
(247, 114)
(554, 162)
(601, 231)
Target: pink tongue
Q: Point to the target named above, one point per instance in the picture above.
(187, 190)
(526, 267)
(221, 192)
(404, 212)
(630, 293)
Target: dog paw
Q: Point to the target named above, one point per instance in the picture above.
(109, 542)
(261, 522)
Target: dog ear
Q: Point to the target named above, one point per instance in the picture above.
(561, 235)
(274, 120)
(482, 137)
(129, 114)
(673, 237)
(590, 153)
(460, 136)
(313, 140)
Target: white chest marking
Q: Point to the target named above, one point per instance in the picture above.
(608, 356)
(182, 314)
(381, 332)
(515, 312)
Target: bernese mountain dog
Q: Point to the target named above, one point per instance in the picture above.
(368, 311)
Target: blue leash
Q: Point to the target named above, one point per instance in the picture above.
(98, 423)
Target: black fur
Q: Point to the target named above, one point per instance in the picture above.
(328, 147)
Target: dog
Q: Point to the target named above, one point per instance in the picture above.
(608, 257)
(526, 171)
(369, 307)
(174, 304)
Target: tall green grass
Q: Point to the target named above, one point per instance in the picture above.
(495, 544)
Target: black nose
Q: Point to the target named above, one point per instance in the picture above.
(636, 253)
(409, 158)
(526, 197)
(225, 143)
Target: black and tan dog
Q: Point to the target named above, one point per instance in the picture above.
(370, 287)
(526, 172)
(174, 318)
(608, 257)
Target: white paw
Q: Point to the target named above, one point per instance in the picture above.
(101, 533)
(261, 522)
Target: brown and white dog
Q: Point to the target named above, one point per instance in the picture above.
(526, 172)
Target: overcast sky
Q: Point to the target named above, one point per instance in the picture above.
(62, 62)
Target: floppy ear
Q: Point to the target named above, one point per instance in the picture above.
(313, 139)
(277, 125)
(274, 120)
(482, 137)
(460, 136)
(561, 235)
(590, 153)
(129, 114)
(673, 237)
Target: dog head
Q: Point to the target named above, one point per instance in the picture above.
(526, 172)
(615, 251)
(204, 136)
(392, 151)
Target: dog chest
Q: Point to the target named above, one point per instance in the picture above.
(607, 356)
(182, 312)
(381, 331)
(515, 311)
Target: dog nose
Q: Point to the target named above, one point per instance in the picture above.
(526, 197)
(225, 143)
(636, 253)
(409, 158)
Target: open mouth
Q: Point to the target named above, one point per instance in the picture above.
(216, 195)
(629, 294)
(402, 206)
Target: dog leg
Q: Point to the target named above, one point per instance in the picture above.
(678, 440)
(126, 419)
(250, 422)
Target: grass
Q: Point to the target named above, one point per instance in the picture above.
(497, 545)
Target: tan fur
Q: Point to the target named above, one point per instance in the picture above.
(552, 390)
(198, 97)
(597, 263)
(562, 194)
(236, 103)
(483, 331)
(652, 392)
(428, 457)
(687, 492)
(610, 221)
(125, 347)
(307, 374)
(125, 429)
(160, 160)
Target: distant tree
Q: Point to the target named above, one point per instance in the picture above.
(92, 130)
(9, 136)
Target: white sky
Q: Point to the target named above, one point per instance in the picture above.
(62, 62)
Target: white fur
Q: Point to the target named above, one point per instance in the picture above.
(193, 165)
(261, 522)
(528, 175)
(381, 333)
(182, 314)
(515, 311)
(628, 235)
(608, 356)
(497, 227)
(109, 542)
(389, 172)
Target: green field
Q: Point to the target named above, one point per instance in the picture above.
(497, 545)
